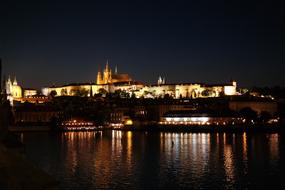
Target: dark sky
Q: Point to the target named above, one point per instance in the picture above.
(212, 41)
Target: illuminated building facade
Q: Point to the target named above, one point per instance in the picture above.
(83, 89)
(147, 91)
(30, 92)
(188, 90)
(15, 93)
(195, 118)
(110, 82)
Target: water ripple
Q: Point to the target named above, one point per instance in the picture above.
(136, 160)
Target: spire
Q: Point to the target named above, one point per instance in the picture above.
(159, 81)
(116, 70)
(15, 81)
(107, 65)
(99, 77)
(9, 79)
(8, 85)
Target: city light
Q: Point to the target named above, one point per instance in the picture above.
(129, 122)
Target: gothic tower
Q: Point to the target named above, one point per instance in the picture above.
(99, 77)
(116, 70)
(9, 86)
(106, 78)
(107, 75)
(15, 83)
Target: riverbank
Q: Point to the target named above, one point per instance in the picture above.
(167, 128)
(16, 172)
(29, 128)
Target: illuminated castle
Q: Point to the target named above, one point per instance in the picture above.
(108, 81)
(110, 78)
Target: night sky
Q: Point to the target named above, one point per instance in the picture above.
(45, 43)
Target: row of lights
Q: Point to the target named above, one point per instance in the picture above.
(75, 122)
(192, 123)
(78, 124)
(79, 128)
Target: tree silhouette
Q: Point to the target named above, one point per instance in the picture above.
(53, 93)
(248, 113)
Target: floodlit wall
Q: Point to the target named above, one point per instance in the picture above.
(29, 93)
(155, 91)
(230, 90)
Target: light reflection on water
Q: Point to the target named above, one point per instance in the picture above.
(141, 160)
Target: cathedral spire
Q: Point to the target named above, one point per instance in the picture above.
(116, 70)
(15, 81)
(161, 80)
(9, 79)
(107, 65)
(99, 77)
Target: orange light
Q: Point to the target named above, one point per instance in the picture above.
(129, 122)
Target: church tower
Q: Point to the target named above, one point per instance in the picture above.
(9, 85)
(160, 80)
(99, 77)
(106, 78)
(107, 75)
(15, 83)
(116, 70)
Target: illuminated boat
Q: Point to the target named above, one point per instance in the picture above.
(78, 125)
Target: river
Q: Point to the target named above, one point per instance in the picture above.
(144, 160)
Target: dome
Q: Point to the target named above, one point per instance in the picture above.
(16, 91)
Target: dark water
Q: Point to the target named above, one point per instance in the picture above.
(139, 160)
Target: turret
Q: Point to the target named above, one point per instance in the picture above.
(8, 85)
(160, 80)
(234, 83)
(107, 75)
(110, 76)
(9, 80)
(107, 66)
(15, 83)
(116, 70)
